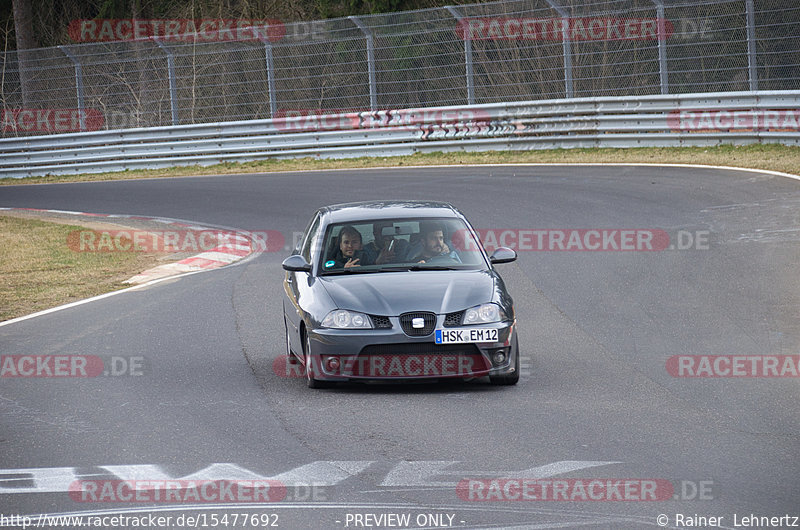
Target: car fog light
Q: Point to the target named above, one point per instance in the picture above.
(332, 364)
(499, 357)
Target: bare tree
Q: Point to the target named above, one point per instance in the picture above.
(23, 31)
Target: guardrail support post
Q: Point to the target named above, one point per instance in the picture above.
(273, 104)
(173, 91)
(567, 46)
(467, 54)
(78, 85)
(373, 97)
(752, 65)
(662, 46)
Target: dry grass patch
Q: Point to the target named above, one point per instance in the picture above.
(38, 270)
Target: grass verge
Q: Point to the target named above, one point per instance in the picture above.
(39, 271)
(773, 157)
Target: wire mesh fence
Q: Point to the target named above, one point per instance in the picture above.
(514, 50)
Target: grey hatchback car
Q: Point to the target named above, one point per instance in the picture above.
(397, 291)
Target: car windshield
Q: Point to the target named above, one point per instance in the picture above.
(394, 245)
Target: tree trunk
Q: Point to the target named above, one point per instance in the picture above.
(23, 32)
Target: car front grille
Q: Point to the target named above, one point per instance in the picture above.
(427, 329)
(381, 322)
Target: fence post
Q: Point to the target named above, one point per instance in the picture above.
(566, 45)
(752, 65)
(273, 104)
(467, 54)
(173, 92)
(78, 85)
(373, 98)
(662, 46)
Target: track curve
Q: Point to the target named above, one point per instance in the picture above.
(598, 329)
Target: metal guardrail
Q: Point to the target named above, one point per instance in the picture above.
(475, 53)
(646, 121)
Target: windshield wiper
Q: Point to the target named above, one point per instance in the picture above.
(420, 267)
(402, 268)
(424, 267)
(359, 270)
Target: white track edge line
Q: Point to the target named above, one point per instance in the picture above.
(98, 297)
(509, 164)
(519, 164)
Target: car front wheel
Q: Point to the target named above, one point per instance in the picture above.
(312, 383)
(290, 358)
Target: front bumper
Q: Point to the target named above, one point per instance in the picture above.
(390, 354)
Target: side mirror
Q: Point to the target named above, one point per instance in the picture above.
(296, 263)
(503, 255)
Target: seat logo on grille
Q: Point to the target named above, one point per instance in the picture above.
(417, 323)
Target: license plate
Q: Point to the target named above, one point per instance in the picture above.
(462, 335)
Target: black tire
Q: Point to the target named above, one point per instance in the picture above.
(511, 379)
(312, 383)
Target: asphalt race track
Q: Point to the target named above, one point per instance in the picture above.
(596, 399)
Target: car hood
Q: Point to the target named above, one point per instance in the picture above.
(395, 293)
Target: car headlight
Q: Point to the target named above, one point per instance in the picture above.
(483, 314)
(344, 319)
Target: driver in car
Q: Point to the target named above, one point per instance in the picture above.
(433, 247)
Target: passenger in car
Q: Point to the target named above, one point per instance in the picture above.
(385, 249)
(349, 250)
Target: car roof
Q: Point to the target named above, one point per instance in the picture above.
(372, 210)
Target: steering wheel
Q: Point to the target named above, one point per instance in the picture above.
(444, 259)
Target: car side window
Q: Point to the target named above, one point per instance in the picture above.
(311, 236)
